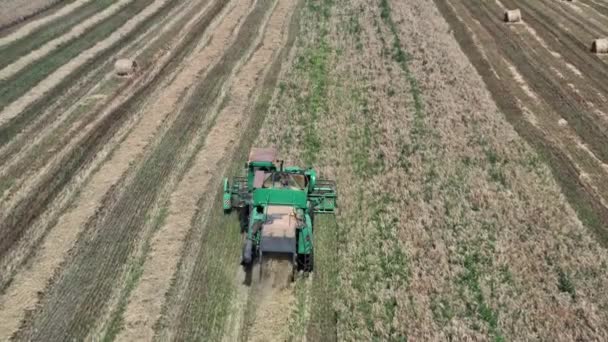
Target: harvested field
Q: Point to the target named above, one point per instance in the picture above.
(16, 11)
(470, 156)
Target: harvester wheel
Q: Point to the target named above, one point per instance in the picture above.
(306, 262)
(310, 262)
(244, 214)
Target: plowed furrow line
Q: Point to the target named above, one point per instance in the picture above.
(588, 206)
(544, 81)
(67, 173)
(29, 86)
(41, 23)
(18, 53)
(81, 292)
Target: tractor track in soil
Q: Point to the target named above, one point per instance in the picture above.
(40, 211)
(551, 50)
(69, 226)
(129, 207)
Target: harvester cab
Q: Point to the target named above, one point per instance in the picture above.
(276, 206)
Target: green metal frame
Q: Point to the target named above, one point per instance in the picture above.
(319, 196)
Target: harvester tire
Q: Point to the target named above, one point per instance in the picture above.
(244, 218)
(306, 262)
(248, 252)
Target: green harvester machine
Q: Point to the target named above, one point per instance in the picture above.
(276, 206)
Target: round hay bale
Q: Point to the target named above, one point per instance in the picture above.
(600, 46)
(513, 16)
(125, 67)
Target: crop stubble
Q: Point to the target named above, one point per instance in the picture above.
(450, 226)
(140, 197)
(477, 215)
(101, 182)
(147, 298)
